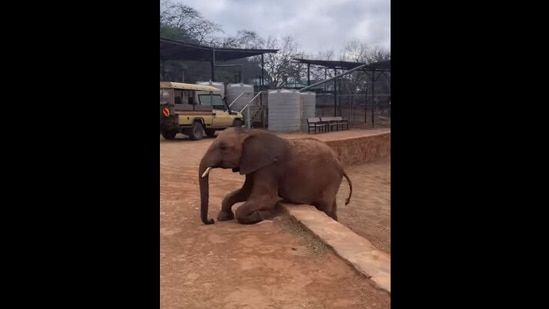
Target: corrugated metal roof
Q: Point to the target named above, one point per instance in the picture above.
(186, 86)
(175, 50)
(347, 65)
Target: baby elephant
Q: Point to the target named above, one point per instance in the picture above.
(300, 171)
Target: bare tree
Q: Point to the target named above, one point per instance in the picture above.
(181, 22)
(281, 66)
(243, 39)
(319, 72)
(356, 51)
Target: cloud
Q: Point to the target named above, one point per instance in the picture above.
(316, 25)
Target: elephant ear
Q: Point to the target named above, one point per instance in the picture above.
(261, 150)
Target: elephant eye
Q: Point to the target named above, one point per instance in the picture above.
(222, 146)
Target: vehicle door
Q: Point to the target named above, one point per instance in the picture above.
(220, 113)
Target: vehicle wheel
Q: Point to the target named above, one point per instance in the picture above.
(237, 123)
(169, 135)
(196, 131)
(210, 132)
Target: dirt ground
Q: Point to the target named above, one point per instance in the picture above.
(273, 264)
(369, 213)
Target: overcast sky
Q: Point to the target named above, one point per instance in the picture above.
(316, 25)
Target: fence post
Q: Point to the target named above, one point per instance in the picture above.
(351, 109)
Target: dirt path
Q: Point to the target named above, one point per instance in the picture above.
(226, 265)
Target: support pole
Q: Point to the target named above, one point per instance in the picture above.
(163, 62)
(373, 86)
(308, 74)
(212, 77)
(325, 78)
(335, 93)
(262, 71)
(366, 106)
(248, 117)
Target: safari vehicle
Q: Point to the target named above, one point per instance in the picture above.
(193, 110)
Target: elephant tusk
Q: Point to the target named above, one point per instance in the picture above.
(206, 172)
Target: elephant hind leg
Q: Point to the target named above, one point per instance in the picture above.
(332, 213)
(328, 202)
(329, 208)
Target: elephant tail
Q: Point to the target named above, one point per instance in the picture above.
(350, 188)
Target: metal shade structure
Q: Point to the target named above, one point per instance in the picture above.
(176, 50)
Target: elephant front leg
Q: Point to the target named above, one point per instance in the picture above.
(260, 206)
(253, 211)
(234, 197)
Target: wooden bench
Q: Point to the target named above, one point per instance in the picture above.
(316, 124)
(335, 122)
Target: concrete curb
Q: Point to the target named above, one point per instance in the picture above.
(354, 249)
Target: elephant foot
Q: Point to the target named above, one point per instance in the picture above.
(253, 218)
(225, 215)
(257, 216)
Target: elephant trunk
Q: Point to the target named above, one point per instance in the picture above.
(204, 192)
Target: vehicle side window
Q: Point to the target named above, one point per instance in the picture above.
(219, 104)
(180, 97)
(214, 100)
(205, 99)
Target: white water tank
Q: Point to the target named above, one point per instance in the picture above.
(284, 110)
(218, 85)
(234, 91)
(308, 108)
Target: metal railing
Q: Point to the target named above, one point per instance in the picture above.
(241, 94)
(247, 107)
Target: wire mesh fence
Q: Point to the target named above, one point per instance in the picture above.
(359, 109)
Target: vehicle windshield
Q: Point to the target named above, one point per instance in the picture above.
(213, 100)
(165, 96)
